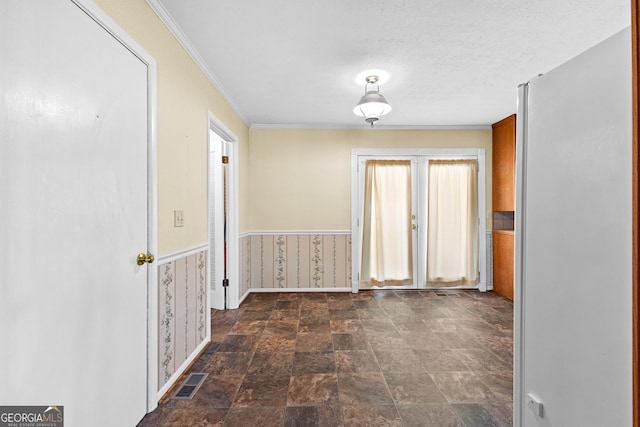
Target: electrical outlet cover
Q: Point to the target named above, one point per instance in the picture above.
(178, 218)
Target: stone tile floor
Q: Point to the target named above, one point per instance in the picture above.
(376, 358)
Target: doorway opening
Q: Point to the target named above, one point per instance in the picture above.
(418, 219)
(223, 216)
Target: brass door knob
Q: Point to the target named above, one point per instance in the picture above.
(142, 258)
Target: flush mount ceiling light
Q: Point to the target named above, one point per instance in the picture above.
(383, 76)
(372, 105)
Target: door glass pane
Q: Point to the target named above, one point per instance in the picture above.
(387, 256)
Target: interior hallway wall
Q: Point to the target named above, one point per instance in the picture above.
(300, 200)
(185, 95)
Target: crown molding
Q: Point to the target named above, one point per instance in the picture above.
(184, 41)
(316, 126)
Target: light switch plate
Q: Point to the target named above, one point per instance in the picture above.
(178, 218)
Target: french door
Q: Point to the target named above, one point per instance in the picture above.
(393, 201)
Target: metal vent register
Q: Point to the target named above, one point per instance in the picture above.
(190, 386)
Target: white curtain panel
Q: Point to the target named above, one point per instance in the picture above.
(387, 258)
(452, 244)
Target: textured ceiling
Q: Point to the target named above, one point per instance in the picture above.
(452, 62)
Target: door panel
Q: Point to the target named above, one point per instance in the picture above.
(216, 223)
(74, 190)
(389, 215)
(420, 208)
(372, 221)
(453, 244)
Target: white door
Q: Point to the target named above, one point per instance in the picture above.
(217, 224)
(73, 191)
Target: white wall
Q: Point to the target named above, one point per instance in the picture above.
(575, 241)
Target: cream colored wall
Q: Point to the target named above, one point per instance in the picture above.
(289, 179)
(185, 95)
(301, 179)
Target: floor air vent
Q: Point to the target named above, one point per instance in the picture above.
(188, 389)
(441, 295)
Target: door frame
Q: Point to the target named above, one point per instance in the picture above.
(216, 292)
(109, 25)
(635, 171)
(357, 154)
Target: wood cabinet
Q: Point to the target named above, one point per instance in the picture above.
(503, 263)
(503, 190)
(504, 164)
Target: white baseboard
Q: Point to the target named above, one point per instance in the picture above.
(182, 369)
(261, 290)
(243, 297)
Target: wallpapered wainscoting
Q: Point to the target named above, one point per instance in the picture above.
(304, 261)
(295, 261)
(183, 313)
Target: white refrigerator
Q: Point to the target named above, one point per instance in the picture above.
(572, 305)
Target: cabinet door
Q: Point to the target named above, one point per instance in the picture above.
(504, 159)
(503, 263)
